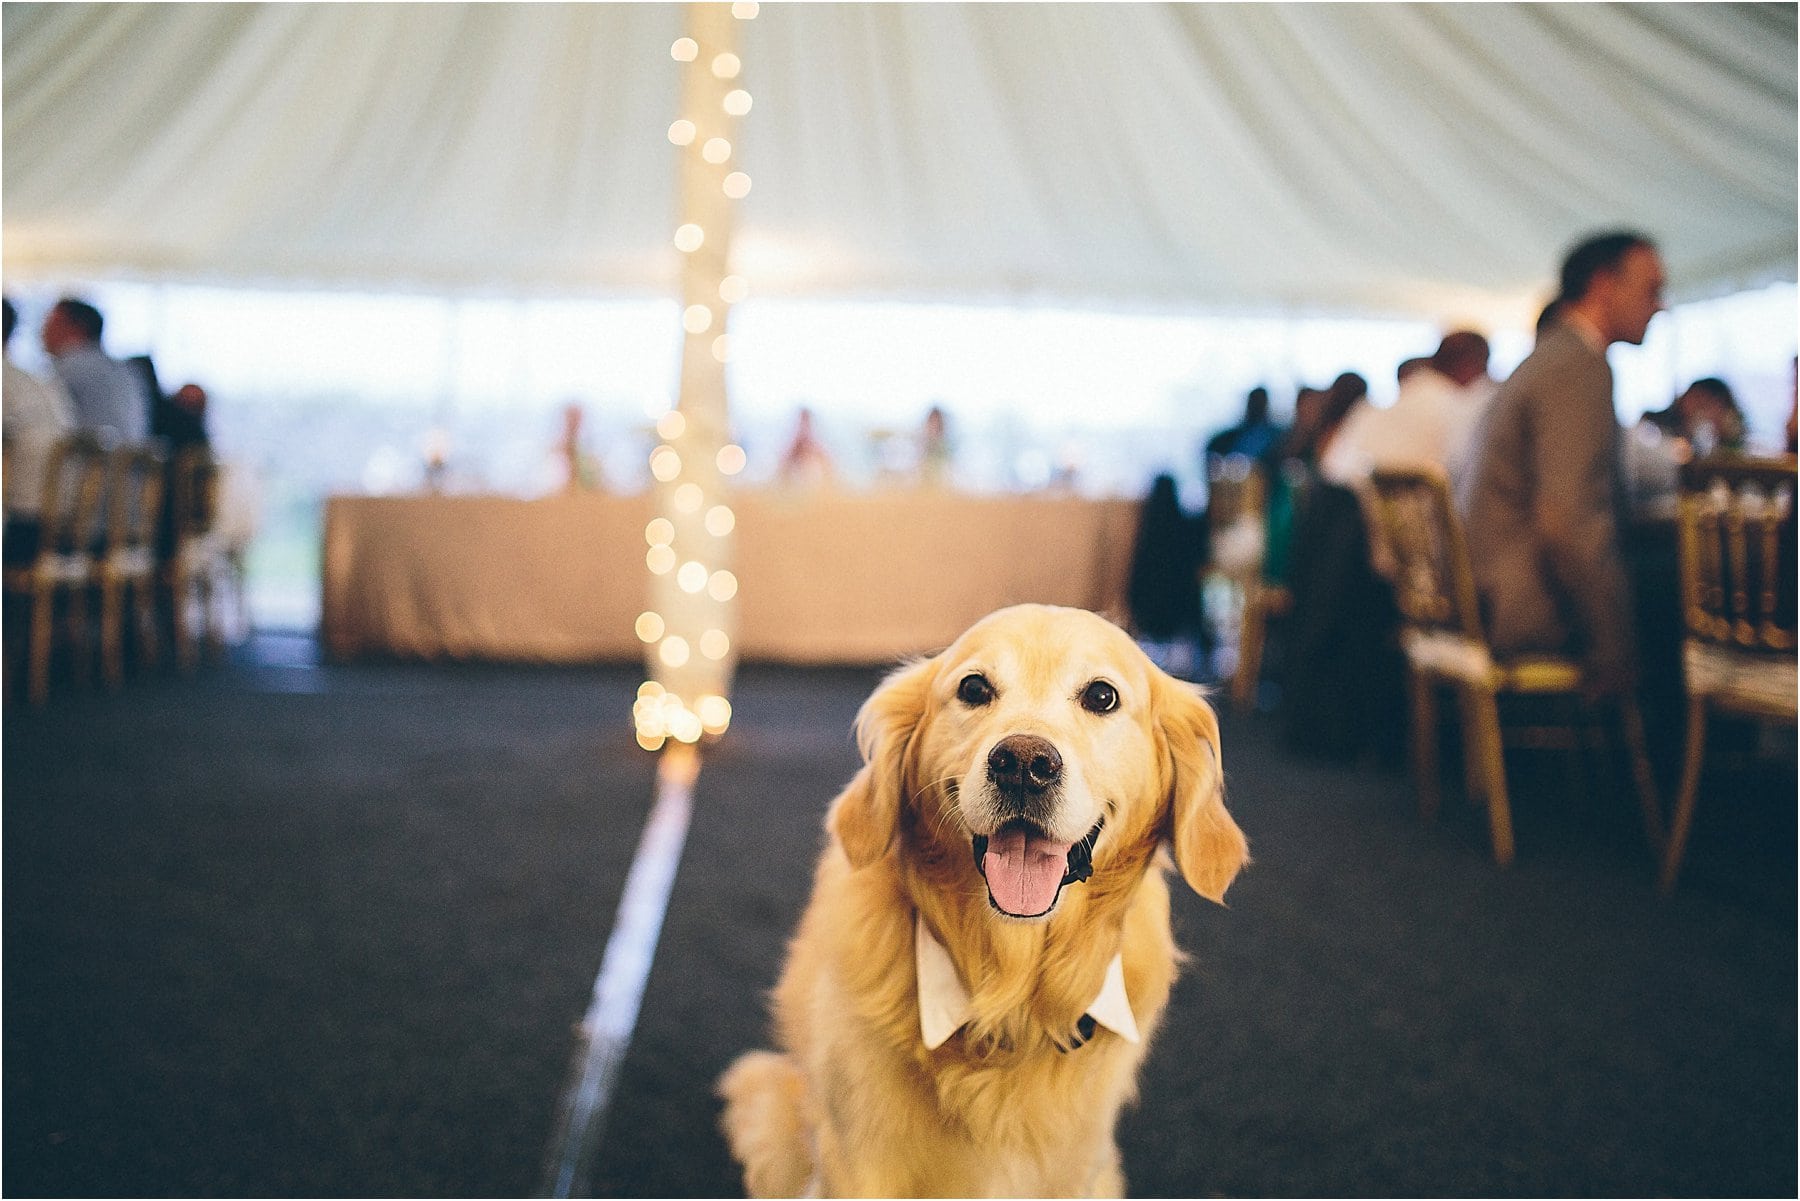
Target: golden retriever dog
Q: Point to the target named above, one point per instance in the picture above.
(987, 950)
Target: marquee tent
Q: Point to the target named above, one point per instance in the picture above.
(1427, 159)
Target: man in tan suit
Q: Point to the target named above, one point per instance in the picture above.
(1542, 496)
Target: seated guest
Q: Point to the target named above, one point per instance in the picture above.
(108, 396)
(1318, 418)
(579, 469)
(1163, 593)
(36, 415)
(1429, 423)
(179, 419)
(806, 462)
(1343, 683)
(936, 454)
(1254, 437)
(1542, 496)
(1701, 420)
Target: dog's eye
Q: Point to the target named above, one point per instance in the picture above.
(1099, 697)
(975, 690)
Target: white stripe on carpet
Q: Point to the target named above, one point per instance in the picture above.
(605, 1032)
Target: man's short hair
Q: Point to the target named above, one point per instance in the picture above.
(11, 316)
(1603, 252)
(83, 316)
(1463, 346)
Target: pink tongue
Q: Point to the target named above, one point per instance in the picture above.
(1024, 869)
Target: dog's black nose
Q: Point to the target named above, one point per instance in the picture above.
(1024, 765)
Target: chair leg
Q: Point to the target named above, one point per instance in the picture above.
(213, 607)
(81, 651)
(1474, 784)
(1631, 721)
(1424, 742)
(43, 633)
(181, 599)
(149, 649)
(1250, 647)
(1489, 756)
(1683, 821)
(237, 574)
(112, 633)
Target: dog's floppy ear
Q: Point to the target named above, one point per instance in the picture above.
(1209, 847)
(866, 814)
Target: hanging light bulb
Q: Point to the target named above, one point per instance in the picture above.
(685, 50)
(737, 185)
(665, 464)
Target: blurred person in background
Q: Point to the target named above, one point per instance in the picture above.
(1543, 497)
(1163, 592)
(1294, 462)
(35, 414)
(1703, 419)
(579, 466)
(936, 454)
(806, 463)
(108, 396)
(1430, 421)
(1254, 436)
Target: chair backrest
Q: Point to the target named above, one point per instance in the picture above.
(1235, 487)
(134, 496)
(1736, 534)
(1434, 583)
(196, 497)
(71, 519)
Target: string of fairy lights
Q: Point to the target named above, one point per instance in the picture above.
(689, 629)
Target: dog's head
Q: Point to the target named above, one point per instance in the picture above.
(1040, 748)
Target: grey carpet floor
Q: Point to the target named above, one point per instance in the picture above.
(279, 930)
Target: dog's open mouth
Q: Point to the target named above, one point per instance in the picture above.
(1026, 869)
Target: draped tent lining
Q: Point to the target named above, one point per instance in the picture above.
(1424, 159)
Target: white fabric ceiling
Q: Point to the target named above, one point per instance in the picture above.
(1431, 159)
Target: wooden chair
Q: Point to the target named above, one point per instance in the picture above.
(1236, 514)
(1444, 645)
(127, 567)
(1736, 537)
(66, 563)
(199, 563)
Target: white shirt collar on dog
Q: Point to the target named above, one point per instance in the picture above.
(944, 1002)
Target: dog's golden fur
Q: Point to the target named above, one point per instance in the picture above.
(855, 1105)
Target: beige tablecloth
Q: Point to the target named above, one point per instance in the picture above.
(824, 578)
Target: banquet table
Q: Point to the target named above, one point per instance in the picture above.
(824, 577)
